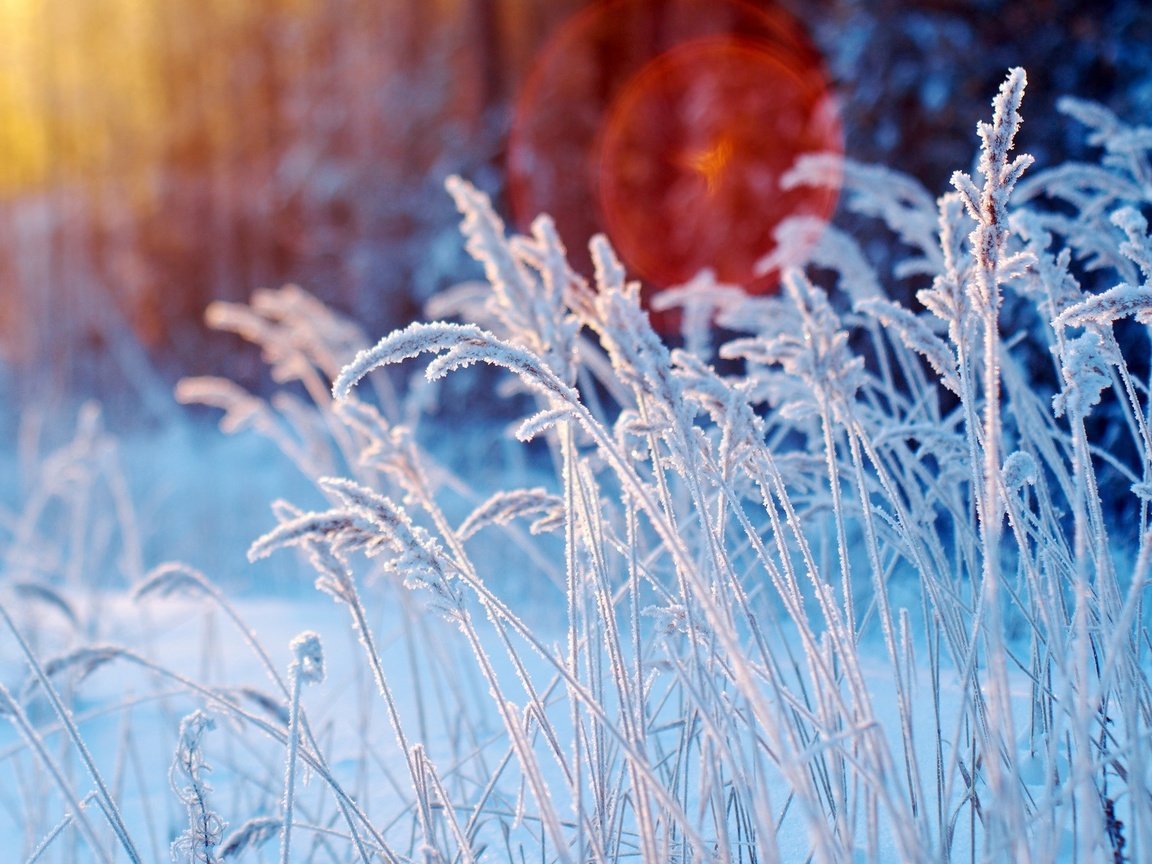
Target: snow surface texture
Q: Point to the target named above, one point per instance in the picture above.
(877, 597)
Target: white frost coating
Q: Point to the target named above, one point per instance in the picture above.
(502, 507)
(900, 201)
(540, 422)
(609, 270)
(1019, 470)
(1085, 371)
(205, 827)
(308, 657)
(698, 685)
(1138, 247)
(412, 341)
(915, 333)
(1109, 306)
(989, 205)
(303, 528)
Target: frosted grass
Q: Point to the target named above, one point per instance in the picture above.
(877, 596)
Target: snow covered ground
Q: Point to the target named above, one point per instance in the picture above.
(130, 718)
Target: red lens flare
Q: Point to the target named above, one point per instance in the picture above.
(668, 125)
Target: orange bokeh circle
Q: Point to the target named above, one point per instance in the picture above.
(692, 154)
(667, 125)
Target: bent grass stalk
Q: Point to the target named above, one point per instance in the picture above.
(172, 576)
(776, 520)
(352, 812)
(307, 667)
(36, 744)
(107, 803)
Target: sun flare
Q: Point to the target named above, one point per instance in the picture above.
(711, 163)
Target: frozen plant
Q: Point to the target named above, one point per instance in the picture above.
(198, 843)
(307, 668)
(876, 594)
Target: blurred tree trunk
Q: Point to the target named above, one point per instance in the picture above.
(488, 48)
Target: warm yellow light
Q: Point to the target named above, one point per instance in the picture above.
(711, 162)
(79, 95)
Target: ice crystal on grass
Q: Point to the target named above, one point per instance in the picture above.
(205, 829)
(458, 347)
(1138, 247)
(308, 657)
(811, 347)
(917, 335)
(295, 331)
(1019, 470)
(861, 592)
(838, 504)
(1109, 306)
(905, 206)
(531, 307)
(503, 507)
(988, 205)
(1085, 371)
(699, 298)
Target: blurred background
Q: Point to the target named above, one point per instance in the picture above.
(158, 154)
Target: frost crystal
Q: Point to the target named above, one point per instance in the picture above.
(1085, 373)
(205, 828)
(1019, 470)
(308, 657)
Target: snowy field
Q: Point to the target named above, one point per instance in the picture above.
(876, 593)
(127, 715)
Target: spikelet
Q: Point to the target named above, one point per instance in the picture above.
(251, 835)
(308, 657)
(502, 507)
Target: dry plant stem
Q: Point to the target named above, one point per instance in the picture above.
(495, 607)
(571, 577)
(1118, 651)
(880, 591)
(420, 488)
(1083, 706)
(322, 397)
(421, 491)
(196, 578)
(989, 207)
(540, 377)
(310, 757)
(360, 623)
(28, 733)
(463, 842)
(290, 766)
(202, 584)
(963, 651)
(514, 727)
(678, 744)
(578, 493)
(65, 717)
(44, 845)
